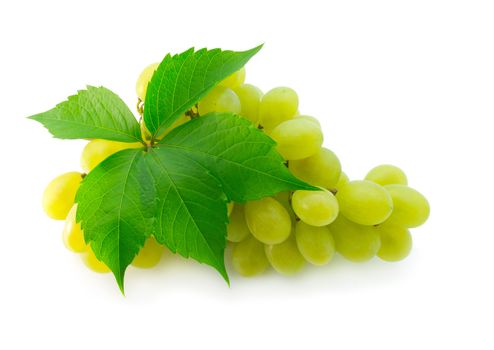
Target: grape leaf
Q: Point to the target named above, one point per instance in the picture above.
(94, 113)
(181, 80)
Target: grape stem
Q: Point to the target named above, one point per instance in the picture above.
(140, 107)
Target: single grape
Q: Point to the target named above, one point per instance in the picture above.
(308, 118)
(411, 208)
(268, 220)
(355, 242)
(316, 208)
(237, 229)
(321, 169)
(234, 80)
(220, 99)
(250, 98)
(285, 257)
(277, 105)
(316, 244)
(364, 202)
(342, 181)
(248, 257)
(386, 175)
(73, 237)
(396, 242)
(59, 195)
(285, 201)
(297, 139)
(149, 255)
(144, 79)
(98, 150)
(92, 262)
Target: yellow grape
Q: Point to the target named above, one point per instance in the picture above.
(149, 255)
(285, 257)
(297, 138)
(285, 201)
(316, 208)
(179, 121)
(98, 150)
(355, 242)
(277, 105)
(237, 229)
(321, 169)
(250, 98)
(316, 244)
(248, 257)
(144, 79)
(268, 220)
(387, 175)
(342, 181)
(411, 208)
(220, 99)
(234, 80)
(59, 195)
(308, 118)
(92, 262)
(73, 237)
(396, 242)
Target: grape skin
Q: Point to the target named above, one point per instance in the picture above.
(237, 229)
(149, 255)
(72, 235)
(364, 202)
(322, 169)
(316, 244)
(92, 262)
(250, 99)
(297, 139)
(98, 150)
(285, 257)
(316, 208)
(396, 242)
(59, 195)
(342, 181)
(268, 220)
(411, 208)
(249, 258)
(144, 79)
(277, 105)
(234, 80)
(386, 175)
(220, 99)
(355, 242)
(308, 118)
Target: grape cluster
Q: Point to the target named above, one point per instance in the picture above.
(357, 219)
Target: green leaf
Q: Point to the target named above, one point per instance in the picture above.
(181, 80)
(242, 157)
(95, 113)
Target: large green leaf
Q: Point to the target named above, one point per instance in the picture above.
(95, 113)
(181, 80)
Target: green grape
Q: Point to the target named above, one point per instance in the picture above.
(308, 118)
(92, 262)
(277, 105)
(387, 175)
(250, 98)
(396, 242)
(237, 229)
(355, 242)
(220, 99)
(297, 139)
(234, 80)
(364, 202)
(321, 169)
(144, 79)
(316, 244)
(316, 208)
(411, 208)
(342, 181)
(268, 220)
(73, 237)
(98, 150)
(285, 200)
(248, 257)
(285, 257)
(59, 195)
(149, 255)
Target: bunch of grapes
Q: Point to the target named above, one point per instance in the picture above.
(357, 219)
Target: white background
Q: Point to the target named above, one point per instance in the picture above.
(403, 82)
